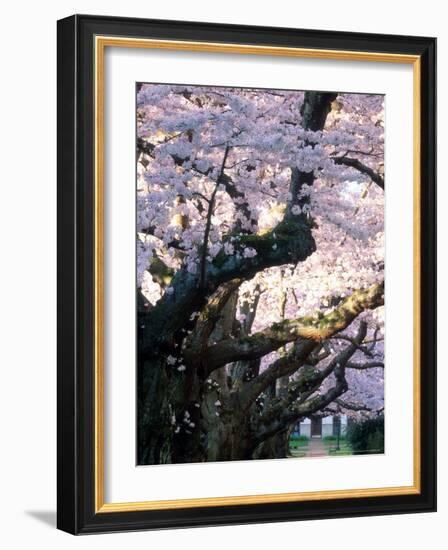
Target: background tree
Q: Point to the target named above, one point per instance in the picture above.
(260, 266)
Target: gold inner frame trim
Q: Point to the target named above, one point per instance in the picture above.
(101, 42)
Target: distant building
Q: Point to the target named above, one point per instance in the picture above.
(318, 427)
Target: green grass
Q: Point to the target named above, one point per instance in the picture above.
(344, 448)
(343, 451)
(298, 442)
(333, 438)
(298, 445)
(299, 438)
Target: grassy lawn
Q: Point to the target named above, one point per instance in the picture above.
(331, 442)
(301, 441)
(298, 446)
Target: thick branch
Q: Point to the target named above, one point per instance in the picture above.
(307, 408)
(315, 108)
(365, 366)
(288, 243)
(291, 241)
(286, 365)
(311, 379)
(352, 406)
(160, 272)
(211, 314)
(314, 111)
(308, 328)
(358, 165)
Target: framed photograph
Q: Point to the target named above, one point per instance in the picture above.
(246, 271)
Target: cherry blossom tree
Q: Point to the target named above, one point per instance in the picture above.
(260, 265)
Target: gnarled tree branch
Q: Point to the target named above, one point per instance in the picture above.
(365, 366)
(310, 329)
(287, 411)
(291, 241)
(360, 167)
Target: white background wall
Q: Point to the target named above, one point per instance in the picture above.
(28, 271)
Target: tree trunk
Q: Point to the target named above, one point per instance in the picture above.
(185, 415)
(276, 446)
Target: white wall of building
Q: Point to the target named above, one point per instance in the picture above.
(327, 426)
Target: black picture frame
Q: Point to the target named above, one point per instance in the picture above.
(76, 256)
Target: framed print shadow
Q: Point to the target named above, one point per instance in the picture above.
(246, 274)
